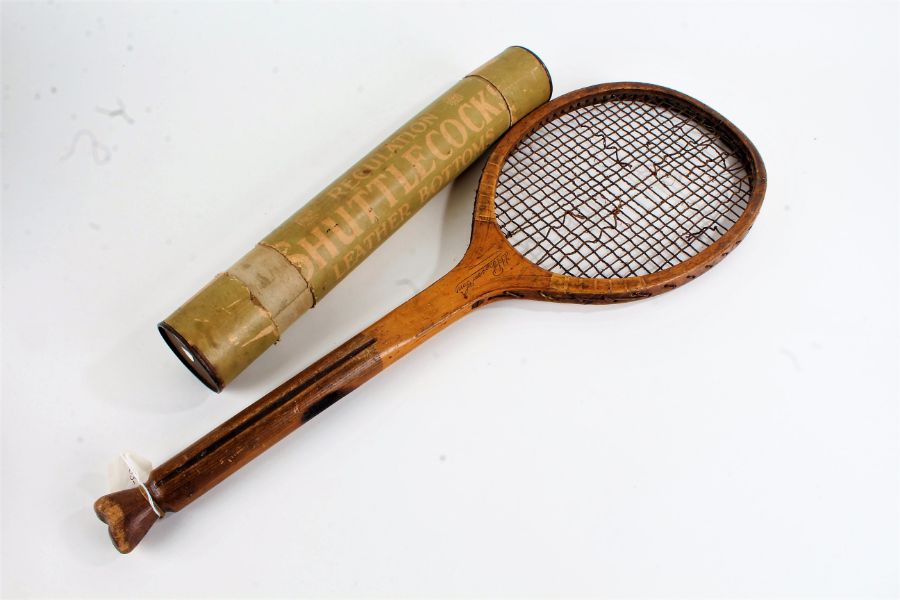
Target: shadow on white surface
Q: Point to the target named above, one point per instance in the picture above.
(162, 387)
(79, 534)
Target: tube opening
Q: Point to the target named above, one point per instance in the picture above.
(190, 357)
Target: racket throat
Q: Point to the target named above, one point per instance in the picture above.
(425, 314)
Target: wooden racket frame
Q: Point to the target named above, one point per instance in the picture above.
(490, 270)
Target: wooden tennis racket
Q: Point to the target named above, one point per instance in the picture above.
(608, 194)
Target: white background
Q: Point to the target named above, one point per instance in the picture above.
(735, 438)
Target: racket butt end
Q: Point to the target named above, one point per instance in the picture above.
(128, 515)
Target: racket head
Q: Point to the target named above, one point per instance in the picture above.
(611, 193)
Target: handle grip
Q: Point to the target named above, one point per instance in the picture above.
(198, 468)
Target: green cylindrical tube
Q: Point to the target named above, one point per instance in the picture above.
(239, 314)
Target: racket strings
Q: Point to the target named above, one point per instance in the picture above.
(622, 188)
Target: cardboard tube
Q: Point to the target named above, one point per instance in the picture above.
(239, 314)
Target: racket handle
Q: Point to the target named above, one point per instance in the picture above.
(183, 478)
(208, 461)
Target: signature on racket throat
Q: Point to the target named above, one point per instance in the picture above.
(608, 194)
